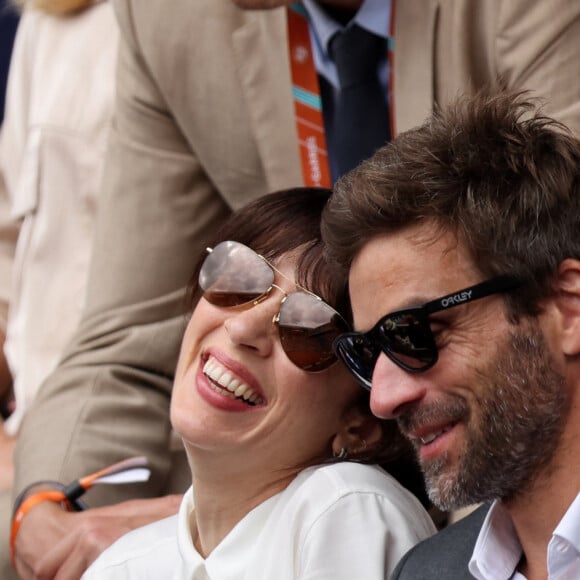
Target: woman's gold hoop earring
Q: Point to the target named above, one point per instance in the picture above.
(342, 454)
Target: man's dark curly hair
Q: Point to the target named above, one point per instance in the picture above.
(504, 178)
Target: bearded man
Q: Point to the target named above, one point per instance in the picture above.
(461, 237)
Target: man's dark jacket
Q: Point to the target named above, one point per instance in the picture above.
(446, 555)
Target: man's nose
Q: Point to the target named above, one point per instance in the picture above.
(394, 389)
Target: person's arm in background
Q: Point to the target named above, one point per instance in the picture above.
(109, 398)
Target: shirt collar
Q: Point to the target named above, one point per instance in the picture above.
(564, 546)
(569, 527)
(192, 560)
(374, 15)
(497, 551)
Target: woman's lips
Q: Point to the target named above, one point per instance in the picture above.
(223, 380)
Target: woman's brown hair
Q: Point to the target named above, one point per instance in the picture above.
(282, 222)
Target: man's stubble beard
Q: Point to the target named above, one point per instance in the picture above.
(522, 406)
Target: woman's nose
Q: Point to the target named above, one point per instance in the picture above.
(253, 327)
(394, 389)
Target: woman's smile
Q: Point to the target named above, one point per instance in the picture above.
(225, 382)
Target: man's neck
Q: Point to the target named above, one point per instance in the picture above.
(537, 512)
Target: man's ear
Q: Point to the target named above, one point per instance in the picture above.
(361, 431)
(568, 304)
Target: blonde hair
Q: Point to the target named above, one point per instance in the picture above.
(58, 7)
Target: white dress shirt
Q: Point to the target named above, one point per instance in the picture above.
(344, 521)
(498, 551)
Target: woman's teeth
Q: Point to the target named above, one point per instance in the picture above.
(222, 381)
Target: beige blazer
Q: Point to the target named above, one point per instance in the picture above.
(204, 123)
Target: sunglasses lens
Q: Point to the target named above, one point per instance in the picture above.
(404, 337)
(408, 340)
(308, 327)
(233, 274)
(358, 355)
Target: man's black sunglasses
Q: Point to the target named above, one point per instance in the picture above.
(405, 336)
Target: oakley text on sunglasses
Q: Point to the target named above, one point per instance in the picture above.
(234, 275)
(405, 336)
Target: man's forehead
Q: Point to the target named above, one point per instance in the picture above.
(407, 268)
(425, 238)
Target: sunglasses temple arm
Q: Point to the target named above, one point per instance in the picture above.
(481, 290)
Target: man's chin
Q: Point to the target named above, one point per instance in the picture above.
(444, 488)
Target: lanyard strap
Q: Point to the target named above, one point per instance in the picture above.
(308, 101)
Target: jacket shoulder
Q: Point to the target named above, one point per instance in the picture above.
(446, 554)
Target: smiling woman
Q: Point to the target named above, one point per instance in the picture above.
(280, 438)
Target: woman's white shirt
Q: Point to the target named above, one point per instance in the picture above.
(338, 521)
